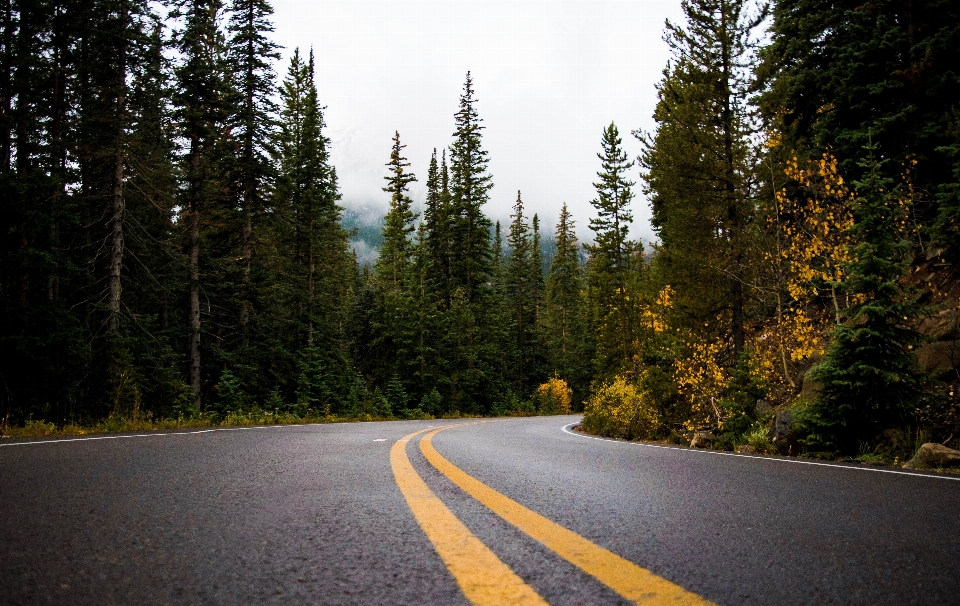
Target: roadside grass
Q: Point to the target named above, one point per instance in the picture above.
(897, 447)
(118, 424)
(759, 439)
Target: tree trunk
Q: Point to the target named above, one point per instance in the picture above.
(116, 221)
(194, 317)
(246, 253)
(780, 283)
(23, 91)
(733, 214)
(6, 88)
(836, 303)
(311, 268)
(57, 160)
(249, 187)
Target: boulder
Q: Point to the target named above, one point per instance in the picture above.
(782, 433)
(932, 454)
(944, 326)
(933, 252)
(939, 356)
(809, 388)
(764, 410)
(702, 439)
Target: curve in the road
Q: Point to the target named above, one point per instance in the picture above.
(621, 575)
(481, 575)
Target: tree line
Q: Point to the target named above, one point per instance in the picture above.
(173, 247)
(172, 241)
(803, 169)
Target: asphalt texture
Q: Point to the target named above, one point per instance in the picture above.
(312, 514)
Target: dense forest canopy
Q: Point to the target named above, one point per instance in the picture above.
(173, 242)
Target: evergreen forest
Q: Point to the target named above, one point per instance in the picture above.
(173, 244)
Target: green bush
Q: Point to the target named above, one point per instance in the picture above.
(230, 395)
(620, 410)
(432, 403)
(396, 395)
(512, 406)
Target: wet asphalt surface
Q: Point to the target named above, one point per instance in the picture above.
(312, 515)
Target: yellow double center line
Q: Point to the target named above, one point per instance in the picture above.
(481, 575)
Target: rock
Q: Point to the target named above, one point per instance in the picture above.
(939, 355)
(764, 410)
(944, 326)
(746, 449)
(809, 388)
(933, 252)
(702, 439)
(932, 454)
(782, 433)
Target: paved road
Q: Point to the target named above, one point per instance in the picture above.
(325, 514)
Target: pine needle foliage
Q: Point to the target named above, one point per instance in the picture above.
(612, 252)
(469, 188)
(870, 376)
(398, 224)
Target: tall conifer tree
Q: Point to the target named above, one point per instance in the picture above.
(250, 56)
(520, 292)
(314, 267)
(567, 341)
(201, 113)
(840, 75)
(469, 186)
(700, 165)
(612, 248)
(870, 376)
(398, 224)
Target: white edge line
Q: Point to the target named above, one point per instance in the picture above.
(915, 474)
(148, 435)
(159, 433)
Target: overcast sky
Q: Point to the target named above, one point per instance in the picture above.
(549, 76)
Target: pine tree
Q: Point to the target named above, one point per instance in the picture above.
(42, 281)
(870, 379)
(538, 292)
(838, 75)
(612, 249)
(395, 337)
(519, 293)
(428, 360)
(469, 187)
(473, 352)
(201, 111)
(700, 164)
(438, 223)
(115, 158)
(314, 268)
(154, 275)
(249, 58)
(398, 224)
(567, 341)
(396, 396)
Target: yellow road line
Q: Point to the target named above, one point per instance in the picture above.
(481, 575)
(621, 575)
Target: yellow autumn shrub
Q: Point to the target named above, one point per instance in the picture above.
(621, 410)
(553, 397)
